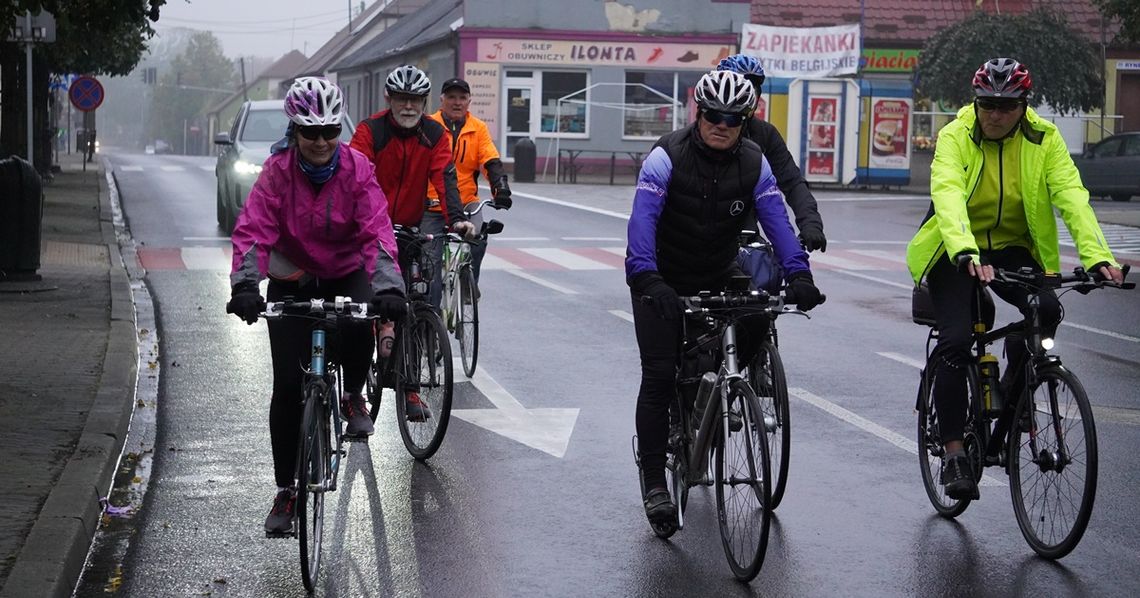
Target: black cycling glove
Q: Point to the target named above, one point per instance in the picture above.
(246, 303)
(812, 238)
(501, 192)
(653, 289)
(802, 291)
(390, 305)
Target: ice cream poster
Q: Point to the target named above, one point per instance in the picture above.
(890, 133)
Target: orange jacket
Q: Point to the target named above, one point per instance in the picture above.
(471, 150)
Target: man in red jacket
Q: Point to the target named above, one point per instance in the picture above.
(409, 150)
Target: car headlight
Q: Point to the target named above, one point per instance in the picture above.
(246, 168)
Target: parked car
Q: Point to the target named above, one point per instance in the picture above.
(1111, 168)
(244, 148)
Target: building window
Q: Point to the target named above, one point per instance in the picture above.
(564, 98)
(657, 102)
(649, 110)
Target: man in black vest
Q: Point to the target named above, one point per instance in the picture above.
(697, 189)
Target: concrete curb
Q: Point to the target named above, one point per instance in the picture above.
(55, 551)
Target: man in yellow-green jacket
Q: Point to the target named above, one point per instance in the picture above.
(999, 172)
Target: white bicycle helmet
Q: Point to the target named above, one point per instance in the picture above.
(409, 80)
(725, 91)
(314, 101)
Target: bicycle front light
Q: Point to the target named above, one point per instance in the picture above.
(246, 168)
(1047, 343)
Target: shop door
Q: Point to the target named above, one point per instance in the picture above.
(1128, 102)
(518, 116)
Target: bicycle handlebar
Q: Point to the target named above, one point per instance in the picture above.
(338, 307)
(1084, 280)
(742, 299)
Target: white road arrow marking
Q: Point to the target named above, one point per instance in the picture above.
(545, 429)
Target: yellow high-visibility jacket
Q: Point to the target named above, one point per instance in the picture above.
(1048, 179)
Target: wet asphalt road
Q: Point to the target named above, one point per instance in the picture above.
(491, 516)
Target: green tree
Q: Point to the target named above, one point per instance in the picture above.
(192, 84)
(1066, 72)
(1128, 11)
(97, 37)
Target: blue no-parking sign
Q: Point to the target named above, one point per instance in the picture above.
(86, 93)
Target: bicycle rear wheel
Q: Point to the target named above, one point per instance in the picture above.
(313, 455)
(427, 378)
(467, 326)
(766, 372)
(1053, 463)
(743, 485)
(931, 451)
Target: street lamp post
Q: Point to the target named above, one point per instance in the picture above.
(36, 29)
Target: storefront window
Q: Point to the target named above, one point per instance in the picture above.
(686, 83)
(572, 112)
(647, 114)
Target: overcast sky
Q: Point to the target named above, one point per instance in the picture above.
(267, 28)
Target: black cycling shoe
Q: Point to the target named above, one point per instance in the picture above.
(279, 522)
(958, 479)
(659, 508)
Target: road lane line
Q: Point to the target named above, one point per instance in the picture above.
(890, 283)
(917, 364)
(906, 444)
(130, 169)
(625, 315)
(539, 281)
(559, 202)
(172, 169)
(1123, 337)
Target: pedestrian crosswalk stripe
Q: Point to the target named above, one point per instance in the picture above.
(567, 259)
(556, 259)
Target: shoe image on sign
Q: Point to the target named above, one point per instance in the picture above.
(689, 56)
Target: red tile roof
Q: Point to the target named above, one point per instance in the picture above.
(908, 23)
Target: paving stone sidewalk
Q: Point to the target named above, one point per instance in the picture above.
(68, 369)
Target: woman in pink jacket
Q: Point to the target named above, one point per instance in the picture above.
(316, 224)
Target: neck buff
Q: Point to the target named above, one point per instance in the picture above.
(318, 175)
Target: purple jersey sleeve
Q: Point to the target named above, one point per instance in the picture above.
(773, 218)
(648, 201)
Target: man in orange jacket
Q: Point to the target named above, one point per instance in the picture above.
(472, 151)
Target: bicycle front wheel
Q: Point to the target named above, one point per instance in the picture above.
(467, 326)
(766, 372)
(931, 450)
(743, 484)
(312, 470)
(423, 404)
(1053, 463)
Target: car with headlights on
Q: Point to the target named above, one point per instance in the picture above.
(244, 148)
(1111, 168)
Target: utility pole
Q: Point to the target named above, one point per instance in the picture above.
(28, 72)
(244, 93)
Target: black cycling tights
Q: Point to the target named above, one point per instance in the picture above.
(659, 343)
(952, 292)
(289, 342)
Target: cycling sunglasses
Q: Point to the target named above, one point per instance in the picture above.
(990, 105)
(716, 117)
(311, 133)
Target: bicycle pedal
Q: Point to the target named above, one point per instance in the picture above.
(289, 535)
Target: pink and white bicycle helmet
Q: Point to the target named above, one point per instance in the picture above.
(314, 101)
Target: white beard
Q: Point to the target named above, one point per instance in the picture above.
(407, 120)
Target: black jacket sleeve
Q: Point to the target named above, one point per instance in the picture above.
(788, 176)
